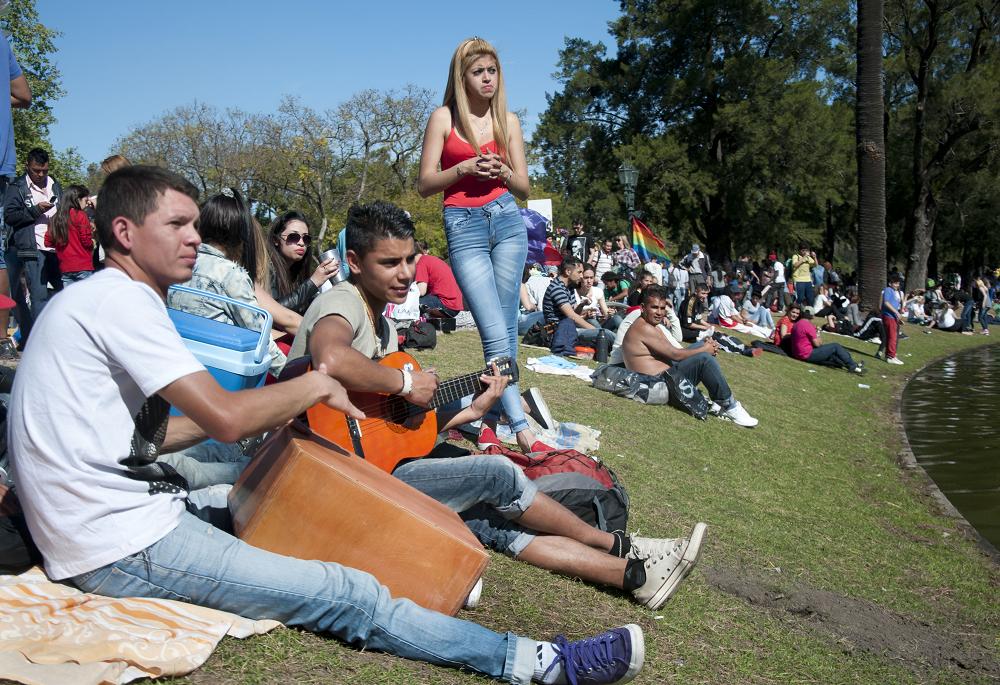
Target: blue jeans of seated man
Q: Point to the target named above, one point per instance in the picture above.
(528, 319)
(705, 369)
(763, 317)
(588, 336)
(209, 463)
(564, 339)
(201, 564)
(488, 492)
(831, 354)
(487, 247)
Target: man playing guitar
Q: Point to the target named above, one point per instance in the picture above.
(344, 331)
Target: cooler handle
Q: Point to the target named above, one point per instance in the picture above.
(265, 333)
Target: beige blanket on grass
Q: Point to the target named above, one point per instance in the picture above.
(53, 634)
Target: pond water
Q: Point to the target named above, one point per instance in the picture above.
(951, 411)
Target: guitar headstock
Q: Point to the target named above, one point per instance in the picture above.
(504, 365)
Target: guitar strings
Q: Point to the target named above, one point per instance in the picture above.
(446, 388)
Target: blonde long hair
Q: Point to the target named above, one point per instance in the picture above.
(457, 100)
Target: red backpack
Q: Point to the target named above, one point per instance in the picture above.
(582, 484)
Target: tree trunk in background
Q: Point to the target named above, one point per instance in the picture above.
(870, 154)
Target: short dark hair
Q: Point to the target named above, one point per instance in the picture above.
(610, 276)
(134, 193)
(568, 264)
(38, 156)
(654, 292)
(589, 267)
(379, 220)
(895, 278)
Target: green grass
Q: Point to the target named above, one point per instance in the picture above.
(810, 500)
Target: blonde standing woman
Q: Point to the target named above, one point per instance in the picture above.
(474, 153)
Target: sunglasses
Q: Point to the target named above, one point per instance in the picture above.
(294, 238)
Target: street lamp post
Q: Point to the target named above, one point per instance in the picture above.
(628, 175)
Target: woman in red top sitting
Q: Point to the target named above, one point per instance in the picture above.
(72, 235)
(474, 153)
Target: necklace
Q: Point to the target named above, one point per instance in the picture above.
(484, 125)
(379, 346)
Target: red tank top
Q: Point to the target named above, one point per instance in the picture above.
(468, 191)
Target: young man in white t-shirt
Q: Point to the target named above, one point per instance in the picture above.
(88, 419)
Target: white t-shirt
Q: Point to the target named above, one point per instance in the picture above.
(724, 308)
(604, 263)
(97, 352)
(946, 318)
(681, 276)
(779, 272)
(596, 297)
(537, 285)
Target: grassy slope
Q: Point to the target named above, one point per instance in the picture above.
(812, 497)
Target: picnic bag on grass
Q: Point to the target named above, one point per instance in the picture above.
(684, 395)
(419, 335)
(539, 335)
(582, 484)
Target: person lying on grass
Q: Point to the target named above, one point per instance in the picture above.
(105, 365)
(646, 350)
(344, 331)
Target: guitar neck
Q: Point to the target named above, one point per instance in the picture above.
(456, 389)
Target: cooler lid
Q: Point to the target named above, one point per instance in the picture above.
(211, 332)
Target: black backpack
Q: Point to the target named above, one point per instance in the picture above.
(419, 336)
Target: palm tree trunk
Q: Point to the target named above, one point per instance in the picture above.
(870, 154)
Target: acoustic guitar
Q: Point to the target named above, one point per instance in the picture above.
(394, 429)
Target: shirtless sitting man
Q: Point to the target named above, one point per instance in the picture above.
(344, 331)
(645, 349)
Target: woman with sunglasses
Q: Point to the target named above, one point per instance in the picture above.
(289, 249)
(473, 152)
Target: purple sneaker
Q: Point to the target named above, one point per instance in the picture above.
(615, 656)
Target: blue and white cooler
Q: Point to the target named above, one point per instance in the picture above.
(236, 357)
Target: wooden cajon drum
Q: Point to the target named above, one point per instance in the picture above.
(304, 497)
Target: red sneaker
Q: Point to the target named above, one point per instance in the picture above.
(539, 446)
(487, 438)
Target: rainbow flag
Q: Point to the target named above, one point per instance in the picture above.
(646, 244)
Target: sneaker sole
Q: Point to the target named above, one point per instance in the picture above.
(538, 409)
(638, 652)
(474, 595)
(688, 560)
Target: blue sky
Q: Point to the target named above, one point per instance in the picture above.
(125, 63)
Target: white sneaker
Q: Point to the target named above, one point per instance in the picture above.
(477, 592)
(643, 548)
(738, 415)
(714, 409)
(894, 360)
(538, 409)
(876, 340)
(665, 571)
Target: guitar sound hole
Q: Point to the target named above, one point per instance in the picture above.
(397, 411)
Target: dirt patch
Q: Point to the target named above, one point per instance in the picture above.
(861, 626)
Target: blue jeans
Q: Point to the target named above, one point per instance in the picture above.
(487, 247)
(967, 312)
(203, 565)
(74, 276)
(704, 368)
(763, 317)
(677, 297)
(804, 293)
(489, 492)
(526, 320)
(832, 354)
(37, 291)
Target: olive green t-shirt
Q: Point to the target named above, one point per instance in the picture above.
(343, 300)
